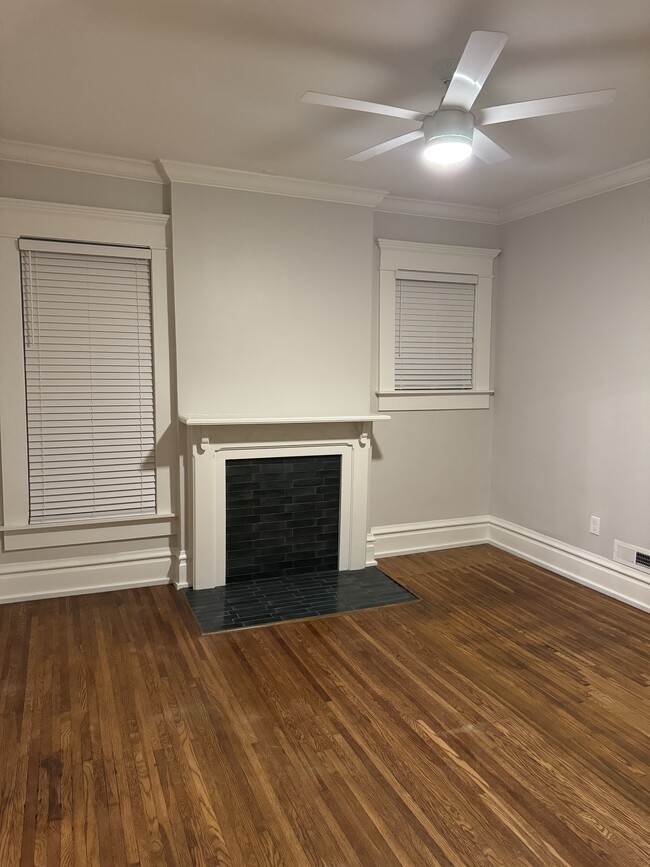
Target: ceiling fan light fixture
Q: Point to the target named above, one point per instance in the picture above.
(449, 133)
(448, 136)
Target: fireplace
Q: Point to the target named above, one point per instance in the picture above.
(218, 449)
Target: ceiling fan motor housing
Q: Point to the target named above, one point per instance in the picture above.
(449, 124)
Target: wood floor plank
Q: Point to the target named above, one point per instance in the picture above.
(502, 720)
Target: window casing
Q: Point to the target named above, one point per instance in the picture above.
(89, 226)
(434, 326)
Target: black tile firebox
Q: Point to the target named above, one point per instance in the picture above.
(282, 516)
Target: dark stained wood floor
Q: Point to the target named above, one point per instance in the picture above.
(502, 720)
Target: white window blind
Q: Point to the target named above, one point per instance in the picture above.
(434, 335)
(89, 380)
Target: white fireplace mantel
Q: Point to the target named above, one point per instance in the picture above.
(194, 420)
(213, 440)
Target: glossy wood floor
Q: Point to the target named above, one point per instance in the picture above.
(502, 720)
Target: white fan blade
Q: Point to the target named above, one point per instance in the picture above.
(387, 146)
(360, 105)
(481, 53)
(541, 107)
(487, 150)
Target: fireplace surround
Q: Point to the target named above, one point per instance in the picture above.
(211, 442)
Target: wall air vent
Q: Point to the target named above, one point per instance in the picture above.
(630, 555)
(642, 560)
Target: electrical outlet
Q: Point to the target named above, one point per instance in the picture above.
(594, 525)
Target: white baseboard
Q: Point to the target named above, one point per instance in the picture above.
(97, 574)
(429, 536)
(71, 577)
(599, 573)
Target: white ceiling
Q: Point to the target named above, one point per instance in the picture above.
(219, 82)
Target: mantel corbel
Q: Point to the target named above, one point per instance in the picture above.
(201, 446)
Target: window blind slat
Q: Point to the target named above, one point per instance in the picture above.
(89, 380)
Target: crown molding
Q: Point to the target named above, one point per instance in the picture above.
(439, 210)
(255, 182)
(633, 174)
(169, 170)
(625, 177)
(79, 161)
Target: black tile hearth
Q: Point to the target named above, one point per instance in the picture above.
(263, 601)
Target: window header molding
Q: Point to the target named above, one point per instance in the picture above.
(436, 258)
(21, 217)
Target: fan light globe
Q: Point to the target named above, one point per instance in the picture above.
(446, 151)
(448, 136)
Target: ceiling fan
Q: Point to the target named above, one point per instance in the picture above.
(450, 131)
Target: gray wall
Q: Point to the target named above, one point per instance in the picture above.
(431, 230)
(431, 465)
(276, 314)
(45, 184)
(571, 433)
(273, 299)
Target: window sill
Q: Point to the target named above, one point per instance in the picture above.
(84, 532)
(427, 400)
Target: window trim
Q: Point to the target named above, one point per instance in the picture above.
(455, 264)
(86, 225)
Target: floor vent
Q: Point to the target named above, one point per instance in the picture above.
(638, 558)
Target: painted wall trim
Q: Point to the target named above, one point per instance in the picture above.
(576, 564)
(162, 171)
(370, 549)
(625, 177)
(179, 569)
(391, 541)
(255, 182)
(592, 570)
(438, 210)
(100, 573)
(12, 210)
(76, 575)
(79, 161)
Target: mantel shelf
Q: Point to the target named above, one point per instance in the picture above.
(206, 421)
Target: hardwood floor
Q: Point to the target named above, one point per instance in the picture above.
(501, 720)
